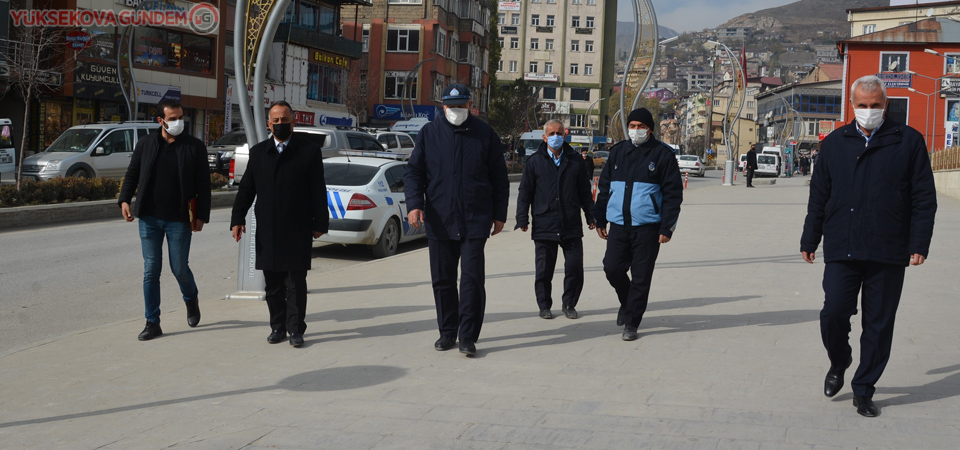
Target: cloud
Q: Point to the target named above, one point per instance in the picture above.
(695, 15)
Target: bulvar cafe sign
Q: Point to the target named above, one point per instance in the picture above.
(330, 60)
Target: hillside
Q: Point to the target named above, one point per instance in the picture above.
(797, 21)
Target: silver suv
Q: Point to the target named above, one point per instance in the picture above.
(98, 150)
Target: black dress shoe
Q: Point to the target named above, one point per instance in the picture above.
(570, 312)
(833, 382)
(468, 348)
(620, 320)
(277, 336)
(296, 340)
(150, 331)
(546, 314)
(629, 333)
(865, 406)
(444, 343)
(193, 312)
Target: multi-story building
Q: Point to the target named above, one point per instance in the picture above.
(870, 20)
(412, 49)
(566, 48)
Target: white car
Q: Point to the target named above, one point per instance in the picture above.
(367, 205)
(691, 164)
(396, 142)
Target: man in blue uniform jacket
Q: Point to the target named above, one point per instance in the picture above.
(873, 201)
(456, 185)
(639, 193)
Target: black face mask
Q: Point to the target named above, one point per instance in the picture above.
(282, 131)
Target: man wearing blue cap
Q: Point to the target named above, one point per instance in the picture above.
(456, 185)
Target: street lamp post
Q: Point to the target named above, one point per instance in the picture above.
(926, 112)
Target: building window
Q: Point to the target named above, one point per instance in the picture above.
(328, 20)
(500, 40)
(589, 21)
(574, 69)
(580, 94)
(514, 19)
(514, 43)
(716, 103)
(454, 47)
(307, 15)
(173, 50)
(535, 1)
(551, 1)
(588, 69)
(577, 120)
(549, 45)
(867, 29)
(589, 46)
(952, 62)
(534, 44)
(533, 67)
(500, 66)
(751, 104)
(548, 67)
(811, 128)
(574, 46)
(894, 62)
(501, 19)
(403, 40)
(365, 39)
(535, 20)
(549, 93)
(591, 2)
(441, 42)
(393, 85)
(575, 21)
(575, 2)
(513, 66)
(551, 20)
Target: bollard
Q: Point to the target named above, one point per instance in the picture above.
(724, 176)
(596, 181)
(686, 178)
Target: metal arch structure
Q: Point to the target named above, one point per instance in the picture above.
(644, 17)
(590, 125)
(408, 90)
(738, 94)
(128, 81)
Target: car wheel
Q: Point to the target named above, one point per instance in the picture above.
(80, 173)
(389, 239)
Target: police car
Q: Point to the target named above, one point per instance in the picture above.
(366, 202)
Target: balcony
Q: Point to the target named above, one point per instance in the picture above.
(312, 38)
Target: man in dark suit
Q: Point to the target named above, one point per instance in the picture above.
(588, 163)
(751, 164)
(285, 175)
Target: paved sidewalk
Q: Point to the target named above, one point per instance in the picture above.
(729, 357)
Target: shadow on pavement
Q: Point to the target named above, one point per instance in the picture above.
(330, 379)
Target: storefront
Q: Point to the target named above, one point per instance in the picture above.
(97, 94)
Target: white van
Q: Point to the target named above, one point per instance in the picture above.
(768, 165)
(411, 127)
(85, 151)
(530, 141)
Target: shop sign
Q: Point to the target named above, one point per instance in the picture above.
(509, 6)
(950, 84)
(96, 81)
(336, 121)
(330, 60)
(826, 127)
(394, 112)
(304, 118)
(155, 93)
(530, 76)
(78, 40)
(508, 30)
(548, 107)
(895, 80)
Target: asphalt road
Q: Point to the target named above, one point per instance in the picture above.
(62, 279)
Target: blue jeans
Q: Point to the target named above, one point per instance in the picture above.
(152, 231)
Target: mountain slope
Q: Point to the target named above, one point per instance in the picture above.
(798, 20)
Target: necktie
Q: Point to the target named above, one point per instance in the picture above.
(280, 147)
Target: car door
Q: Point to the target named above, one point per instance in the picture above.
(397, 199)
(388, 141)
(111, 156)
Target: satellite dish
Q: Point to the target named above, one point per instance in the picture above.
(930, 12)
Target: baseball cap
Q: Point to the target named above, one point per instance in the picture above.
(456, 94)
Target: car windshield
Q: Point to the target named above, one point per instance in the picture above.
(346, 174)
(74, 140)
(688, 158)
(531, 144)
(602, 154)
(232, 139)
(766, 159)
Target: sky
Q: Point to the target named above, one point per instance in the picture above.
(695, 15)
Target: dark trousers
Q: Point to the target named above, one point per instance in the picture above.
(749, 177)
(458, 313)
(546, 253)
(287, 300)
(634, 249)
(879, 286)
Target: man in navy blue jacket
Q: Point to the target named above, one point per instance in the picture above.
(556, 185)
(639, 193)
(873, 201)
(456, 184)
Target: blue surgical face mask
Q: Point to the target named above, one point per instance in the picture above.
(555, 141)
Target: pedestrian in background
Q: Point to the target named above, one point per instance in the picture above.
(285, 175)
(873, 201)
(170, 177)
(639, 194)
(751, 164)
(587, 163)
(555, 184)
(456, 185)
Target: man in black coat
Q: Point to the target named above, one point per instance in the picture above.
(587, 164)
(751, 164)
(169, 174)
(873, 201)
(556, 185)
(456, 184)
(285, 175)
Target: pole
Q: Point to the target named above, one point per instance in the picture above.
(260, 70)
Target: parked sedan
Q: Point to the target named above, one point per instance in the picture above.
(691, 164)
(366, 202)
(600, 158)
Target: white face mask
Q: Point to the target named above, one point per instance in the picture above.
(639, 136)
(174, 127)
(869, 119)
(456, 116)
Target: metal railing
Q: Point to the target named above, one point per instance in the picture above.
(946, 159)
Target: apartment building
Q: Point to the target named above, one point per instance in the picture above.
(566, 49)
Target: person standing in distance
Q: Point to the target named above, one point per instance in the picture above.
(751, 164)
(285, 175)
(456, 185)
(587, 164)
(873, 201)
(639, 193)
(555, 184)
(168, 173)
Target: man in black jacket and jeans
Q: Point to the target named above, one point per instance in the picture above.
(873, 201)
(556, 185)
(168, 172)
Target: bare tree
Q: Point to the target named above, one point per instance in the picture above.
(357, 93)
(37, 58)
